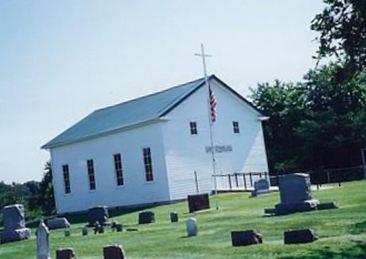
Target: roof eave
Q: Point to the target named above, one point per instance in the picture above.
(106, 133)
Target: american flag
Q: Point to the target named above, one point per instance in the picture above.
(212, 102)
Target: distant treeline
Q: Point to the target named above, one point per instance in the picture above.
(320, 121)
(37, 197)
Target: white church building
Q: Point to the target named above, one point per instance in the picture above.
(147, 150)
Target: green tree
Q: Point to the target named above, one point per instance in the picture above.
(286, 104)
(334, 128)
(46, 197)
(342, 27)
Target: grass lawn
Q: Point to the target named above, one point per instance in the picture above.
(342, 232)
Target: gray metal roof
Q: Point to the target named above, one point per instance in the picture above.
(143, 109)
(128, 113)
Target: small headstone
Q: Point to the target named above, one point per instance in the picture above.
(100, 229)
(173, 217)
(300, 236)
(42, 241)
(198, 202)
(327, 206)
(146, 217)
(116, 226)
(261, 186)
(96, 228)
(244, 238)
(67, 232)
(14, 224)
(191, 226)
(119, 227)
(65, 253)
(98, 214)
(57, 223)
(131, 229)
(85, 231)
(114, 252)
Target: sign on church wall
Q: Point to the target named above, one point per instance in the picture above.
(219, 148)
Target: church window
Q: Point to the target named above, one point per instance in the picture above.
(193, 126)
(91, 174)
(66, 174)
(118, 169)
(148, 165)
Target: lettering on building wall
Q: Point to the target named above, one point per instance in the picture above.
(220, 148)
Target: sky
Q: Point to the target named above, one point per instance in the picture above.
(60, 60)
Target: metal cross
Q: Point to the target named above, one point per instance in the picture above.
(203, 56)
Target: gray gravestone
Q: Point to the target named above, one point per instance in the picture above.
(244, 238)
(98, 214)
(57, 223)
(100, 229)
(295, 192)
(300, 236)
(14, 224)
(67, 232)
(173, 217)
(65, 253)
(261, 186)
(84, 231)
(146, 217)
(191, 226)
(116, 226)
(114, 252)
(119, 227)
(43, 246)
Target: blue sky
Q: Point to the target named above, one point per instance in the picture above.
(60, 60)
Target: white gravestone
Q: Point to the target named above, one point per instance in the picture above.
(42, 241)
(192, 228)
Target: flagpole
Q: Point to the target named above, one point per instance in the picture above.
(203, 55)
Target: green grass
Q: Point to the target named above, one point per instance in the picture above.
(342, 232)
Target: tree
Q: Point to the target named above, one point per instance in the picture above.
(334, 128)
(46, 197)
(286, 104)
(342, 27)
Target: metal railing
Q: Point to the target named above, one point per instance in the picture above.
(245, 181)
(238, 181)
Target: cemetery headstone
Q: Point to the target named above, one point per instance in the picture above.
(261, 186)
(146, 217)
(98, 214)
(173, 217)
(198, 202)
(191, 226)
(65, 253)
(14, 224)
(119, 227)
(114, 252)
(295, 193)
(43, 246)
(57, 223)
(116, 226)
(85, 231)
(327, 206)
(100, 229)
(247, 237)
(96, 228)
(300, 236)
(67, 232)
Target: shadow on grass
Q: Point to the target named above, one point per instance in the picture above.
(357, 251)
